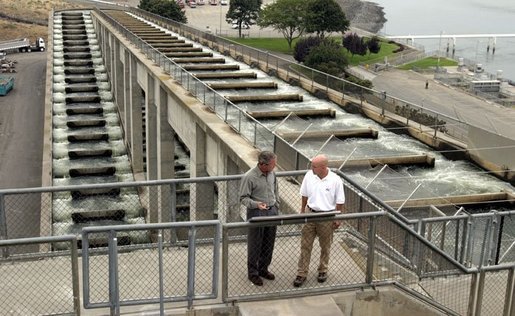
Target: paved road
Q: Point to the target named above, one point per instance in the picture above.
(21, 123)
(406, 85)
(21, 144)
(410, 86)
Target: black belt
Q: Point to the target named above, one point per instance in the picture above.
(315, 211)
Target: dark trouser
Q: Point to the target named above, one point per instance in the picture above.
(260, 243)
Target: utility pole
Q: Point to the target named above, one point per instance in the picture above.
(439, 48)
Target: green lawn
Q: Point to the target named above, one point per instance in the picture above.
(281, 46)
(429, 62)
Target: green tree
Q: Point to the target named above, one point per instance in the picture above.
(355, 44)
(165, 8)
(243, 12)
(325, 16)
(303, 46)
(328, 57)
(374, 45)
(285, 16)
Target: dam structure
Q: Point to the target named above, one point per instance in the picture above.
(273, 115)
(87, 137)
(120, 117)
(139, 103)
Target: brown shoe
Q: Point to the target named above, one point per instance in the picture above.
(267, 275)
(256, 280)
(299, 280)
(322, 277)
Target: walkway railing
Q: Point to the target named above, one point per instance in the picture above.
(156, 272)
(333, 88)
(114, 257)
(40, 282)
(473, 240)
(369, 250)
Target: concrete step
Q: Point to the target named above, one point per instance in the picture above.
(322, 305)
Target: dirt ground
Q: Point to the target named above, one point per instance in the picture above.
(362, 14)
(13, 14)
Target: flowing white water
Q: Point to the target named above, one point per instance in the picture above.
(447, 178)
(64, 204)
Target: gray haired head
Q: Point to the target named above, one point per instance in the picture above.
(265, 157)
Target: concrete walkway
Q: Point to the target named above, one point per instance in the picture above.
(410, 86)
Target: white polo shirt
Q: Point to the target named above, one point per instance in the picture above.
(323, 194)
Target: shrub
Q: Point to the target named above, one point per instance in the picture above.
(303, 47)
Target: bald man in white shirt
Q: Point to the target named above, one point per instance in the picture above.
(321, 191)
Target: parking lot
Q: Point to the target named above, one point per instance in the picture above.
(213, 16)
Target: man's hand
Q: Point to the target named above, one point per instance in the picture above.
(262, 206)
(337, 224)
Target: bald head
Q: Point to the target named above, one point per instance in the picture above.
(320, 160)
(319, 166)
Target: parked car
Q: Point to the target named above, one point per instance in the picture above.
(213, 2)
(200, 2)
(223, 2)
(192, 3)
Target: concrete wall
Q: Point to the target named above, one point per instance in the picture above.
(215, 149)
(492, 150)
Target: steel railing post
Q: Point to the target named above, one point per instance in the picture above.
(3, 225)
(497, 238)
(161, 285)
(470, 241)
(225, 263)
(191, 266)
(371, 250)
(509, 301)
(114, 298)
(484, 246)
(85, 268)
(472, 295)
(173, 211)
(216, 260)
(480, 292)
(75, 275)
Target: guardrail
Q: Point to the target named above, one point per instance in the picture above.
(132, 268)
(336, 89)
(331, 87)
(473, 239)
(369, 250)
(40, 282)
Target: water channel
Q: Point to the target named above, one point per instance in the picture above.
(87, 139)
(446, 178)
(88, 146)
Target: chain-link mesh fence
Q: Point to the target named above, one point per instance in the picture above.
(39, 283)
(320, 84)
(184, 270)
(397, 254)
(494, 290)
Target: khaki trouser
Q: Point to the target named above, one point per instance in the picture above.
(324, 231)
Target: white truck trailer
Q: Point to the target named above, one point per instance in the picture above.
(23, 45)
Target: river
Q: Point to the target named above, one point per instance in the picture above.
(458, 17)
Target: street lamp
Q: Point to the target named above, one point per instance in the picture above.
(439, 47)
(220, 18)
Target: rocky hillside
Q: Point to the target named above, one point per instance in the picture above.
(363, 15)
